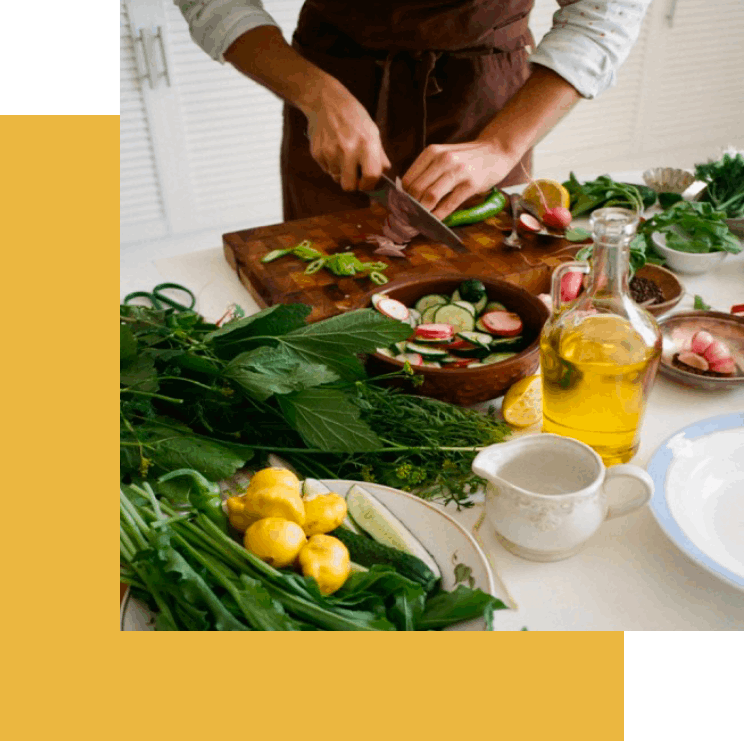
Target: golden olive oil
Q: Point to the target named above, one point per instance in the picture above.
(597, 373)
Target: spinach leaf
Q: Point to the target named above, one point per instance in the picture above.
(447, 608)
(327, 419)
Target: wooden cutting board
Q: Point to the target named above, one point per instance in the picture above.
(283, 280)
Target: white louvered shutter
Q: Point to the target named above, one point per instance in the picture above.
(230, 129)
(142, 214)
(601, 130)
(699, 75)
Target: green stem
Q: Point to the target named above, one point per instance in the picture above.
(130, 390)
(187, 380)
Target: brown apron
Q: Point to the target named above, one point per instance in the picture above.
(427, 71)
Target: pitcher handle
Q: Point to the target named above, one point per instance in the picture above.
(641, 488)
(555, 285)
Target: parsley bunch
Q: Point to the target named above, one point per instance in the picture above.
(725, 179)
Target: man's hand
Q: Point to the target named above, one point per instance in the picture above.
(344, 140)
(445, 175)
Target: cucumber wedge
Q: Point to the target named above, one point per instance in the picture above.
(375, 518)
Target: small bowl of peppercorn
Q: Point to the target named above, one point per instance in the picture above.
(656, 289)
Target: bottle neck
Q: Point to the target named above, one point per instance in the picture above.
(610, 268)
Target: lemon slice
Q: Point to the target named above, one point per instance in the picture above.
(552, 191)
(522, 405)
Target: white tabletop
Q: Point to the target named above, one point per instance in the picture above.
(629, 576)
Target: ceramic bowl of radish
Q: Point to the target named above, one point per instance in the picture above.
(703, 349)
(471, 338)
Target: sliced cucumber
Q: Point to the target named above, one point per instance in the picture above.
(466, 305)
(494, 306)
(399, 347)
(481, 327)
(427, 352)
(480, 305)
(477, 352)
(433, 299)
(455, 296)
(374, 517)
(430, 364)
(387, 353)
(508, 344)
(427, 316)
(416, 316)
(477, 338)
(461, 319)
(497, 357)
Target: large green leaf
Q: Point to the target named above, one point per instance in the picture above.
(336, 341)
(275, 370)
(276, 320)
(139, 373)
(169, 448)
(327, 419)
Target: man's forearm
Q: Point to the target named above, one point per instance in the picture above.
(263, 55)
(531, 113)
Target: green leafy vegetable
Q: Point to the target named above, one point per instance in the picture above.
(605, 192)
(725, 179)
(699, 304)
(197, 578)
(692, 226)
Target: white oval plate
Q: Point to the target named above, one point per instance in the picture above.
(445, 539)
(698, 501)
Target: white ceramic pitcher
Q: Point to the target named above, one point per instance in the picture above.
(546, 494)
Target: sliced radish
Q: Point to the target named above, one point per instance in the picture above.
(393, 309)
(693, 360)
(716, 352)
(462, 363)
(701, 341)
(530, 223)
(412, 357)
(737, 309)
(435, 331)
(458, 345)
(377, 297)
(571, 285)
(503, 323)
(724, 366)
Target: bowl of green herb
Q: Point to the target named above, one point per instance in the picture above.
(692, 236)
(724, 188)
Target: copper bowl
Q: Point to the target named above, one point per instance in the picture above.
(677, 331)
(466, 386)
(669, 284)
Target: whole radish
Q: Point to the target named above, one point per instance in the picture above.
(726, 366)
(557, 217)
(570, 285)
(716, 352)
(701, 341)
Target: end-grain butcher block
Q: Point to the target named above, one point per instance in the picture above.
(284, 280)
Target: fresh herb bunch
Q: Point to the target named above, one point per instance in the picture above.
(693, 226)
(198, 396)
(605, 192)
(725, 179)
(196, 577)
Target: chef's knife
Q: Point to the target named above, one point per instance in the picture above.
(417, 215)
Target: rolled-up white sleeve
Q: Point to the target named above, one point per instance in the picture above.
(215, 24)
(590, 40)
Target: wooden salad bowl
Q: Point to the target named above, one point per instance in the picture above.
(465, 386)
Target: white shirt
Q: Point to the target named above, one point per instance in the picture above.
(589, 40)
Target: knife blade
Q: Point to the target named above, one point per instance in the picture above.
(418, 216)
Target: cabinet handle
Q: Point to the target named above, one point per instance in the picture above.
(152, 74)
(670, 14)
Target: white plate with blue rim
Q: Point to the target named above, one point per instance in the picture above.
(698, 476)
(448, 542)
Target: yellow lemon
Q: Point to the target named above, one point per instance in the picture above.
(274, 476)
(522, 405)
(326, 559)
(274, 540)
(552, 191)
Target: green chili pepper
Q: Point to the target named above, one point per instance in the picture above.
(378, 278)
(493, 205)
(204, 495)
(275, 255)
(315, 265)
(305, 252)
